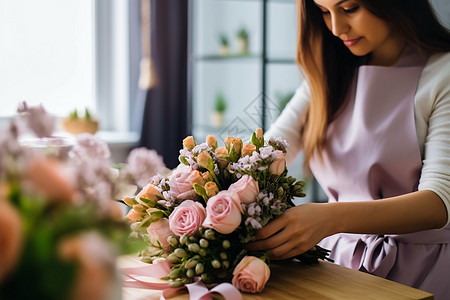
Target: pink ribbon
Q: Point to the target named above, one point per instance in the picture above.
(196, 290)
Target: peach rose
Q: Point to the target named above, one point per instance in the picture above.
(248, 149)
(160, 231)
(251, 275)
(187, 218)
(246, 189)
(223, 212)
(211, 189)
(278, 165)
(211, 141)
(204, 159)
(180, 183)
(259, 133)
(150, 192)
(10, 237)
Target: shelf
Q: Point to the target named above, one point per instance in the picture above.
(218, 57)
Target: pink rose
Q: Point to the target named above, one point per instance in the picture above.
(246, 189)
(278, 165)
(180, 183)
(160, 231)
(223, 212)
(187, 218)
(251, 275)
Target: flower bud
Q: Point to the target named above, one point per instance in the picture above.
(189, 143)
(207, 177)
(204, 159)
(223, 255)
(173, 258)
(210, 235)
(221, 151)
(203, 252)
(176, 283)
(211, 141)
(204, 243)
(196, 177)
(173, 241)
(226, 244)
(191, 263)
(211, 189)
(225, 264)
(248, 149)
(193, 239)
(184, 239)
(194, 248)
(199, 268)
(175, 273)
(179, 252)
(215, 264)
(236, 145)
(158, 260)
(190, 273)
(259, 133)
(228, 141)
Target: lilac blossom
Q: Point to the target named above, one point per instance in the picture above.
(41, 123)
(142, 164)
(89, 147)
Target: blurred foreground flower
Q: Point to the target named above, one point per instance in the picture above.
(60, 229)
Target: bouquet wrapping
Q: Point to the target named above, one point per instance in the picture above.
(199, 217)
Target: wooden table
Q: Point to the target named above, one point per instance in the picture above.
(290, 280)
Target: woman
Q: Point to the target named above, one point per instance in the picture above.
(374, 125)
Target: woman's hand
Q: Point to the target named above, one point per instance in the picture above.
(294, 232)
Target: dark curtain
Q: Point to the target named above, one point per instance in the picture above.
(164, 121)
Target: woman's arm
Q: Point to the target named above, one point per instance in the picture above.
(302, 227)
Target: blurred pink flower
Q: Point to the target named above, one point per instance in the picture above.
(187, 218)
(143, 164)
(251, 275)
(223, 212)
(37, 119)
(88, 146)
(11, 237)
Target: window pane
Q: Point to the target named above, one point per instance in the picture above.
(46, 54)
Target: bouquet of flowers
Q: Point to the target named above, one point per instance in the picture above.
(200, 216)
(60, 231)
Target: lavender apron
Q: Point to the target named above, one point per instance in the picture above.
(372, 152)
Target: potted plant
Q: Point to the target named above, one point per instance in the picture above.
(220, 105)
(75, 124)
(224, 45)
(242, 40)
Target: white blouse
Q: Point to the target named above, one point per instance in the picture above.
(432, 119)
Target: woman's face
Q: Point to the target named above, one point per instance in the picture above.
(361, 31)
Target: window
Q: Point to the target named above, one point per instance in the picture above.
(66, 55)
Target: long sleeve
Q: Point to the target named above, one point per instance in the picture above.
(432, 112)
(287, 125)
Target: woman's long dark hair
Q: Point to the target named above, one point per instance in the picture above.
(329, 66)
